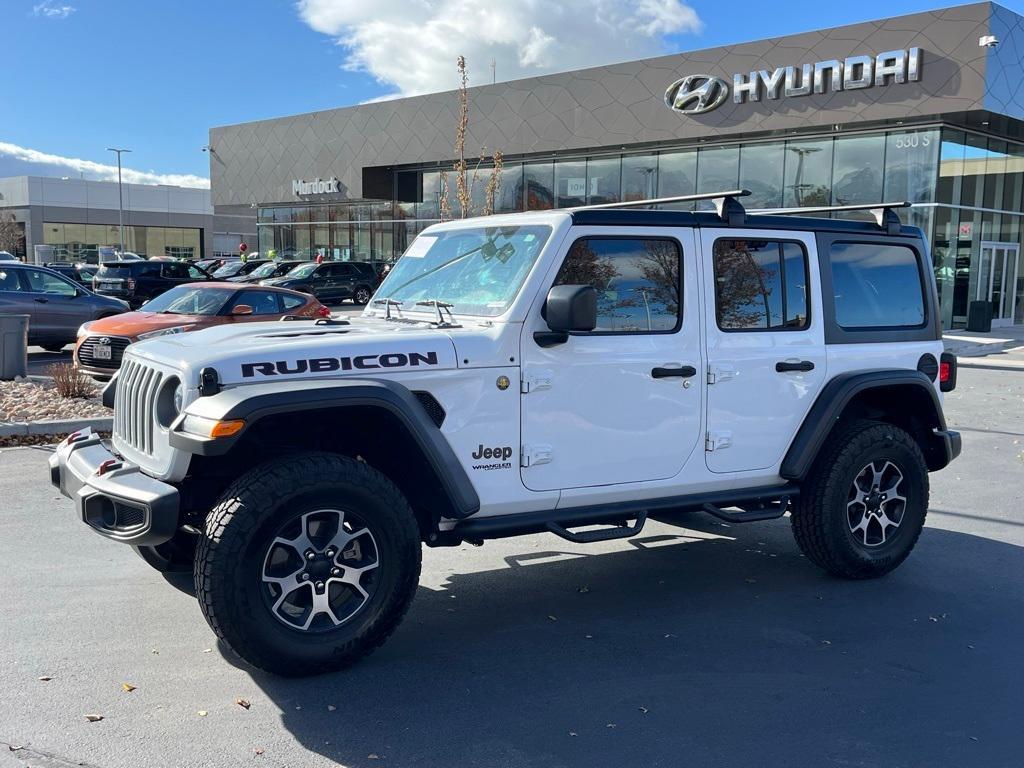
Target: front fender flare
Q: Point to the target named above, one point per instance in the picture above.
(254, 402)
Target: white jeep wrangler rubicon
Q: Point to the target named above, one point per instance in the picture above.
(524, 373)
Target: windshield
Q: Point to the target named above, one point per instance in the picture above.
(303, 270)
(230, 269)
(190, 300)
(265, 270)
(478, 271)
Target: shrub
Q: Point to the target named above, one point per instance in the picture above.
(69, 381)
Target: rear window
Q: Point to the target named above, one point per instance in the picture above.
(876, 285)
(114, 270)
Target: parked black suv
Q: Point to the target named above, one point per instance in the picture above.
(331, 281)
(139, 281)
(80, 273)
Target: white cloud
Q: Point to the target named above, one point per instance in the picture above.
(411, 45)
(50, 10)
(32, 160)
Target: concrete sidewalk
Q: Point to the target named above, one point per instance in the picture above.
(970, 344)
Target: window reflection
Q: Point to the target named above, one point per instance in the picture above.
(639, 177)
(761, 172)
(808, 173)
(539, 180)
(570, 183)
(857, 169)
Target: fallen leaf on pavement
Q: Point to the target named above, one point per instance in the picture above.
(202, 713)
(128, 687)
(258, 751)
(94, 718)
(207, 650)
(572, 733)
(45, 679)
(243, 703)
(643, 710)
(331, 707)
(373, 756)
(553, 618)
(610, 725)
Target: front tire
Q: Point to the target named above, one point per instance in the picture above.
(863, 506)
(308, 563)
(361, 295)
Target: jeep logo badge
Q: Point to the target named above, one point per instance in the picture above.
(696, 94)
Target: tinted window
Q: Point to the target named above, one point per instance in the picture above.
(637, 281)
(760, 285)
(114, 271)
(47, 282)
(292, 302)
(262, 302)
(9, 280)
(175, 271)
(876, 285)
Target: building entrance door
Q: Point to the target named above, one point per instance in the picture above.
(997, 280)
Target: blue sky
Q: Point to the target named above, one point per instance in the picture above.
(82, 75)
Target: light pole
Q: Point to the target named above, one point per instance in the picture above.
(120, 199)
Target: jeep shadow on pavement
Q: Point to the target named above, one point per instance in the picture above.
(627, 361)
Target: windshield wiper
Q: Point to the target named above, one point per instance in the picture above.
(441, 307)
(388, 303)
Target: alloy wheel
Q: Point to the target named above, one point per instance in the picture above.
(875, 504)
(320, 570)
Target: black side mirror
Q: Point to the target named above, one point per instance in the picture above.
(568, 308)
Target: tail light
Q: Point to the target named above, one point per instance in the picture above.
(323, 311)
(947, 372)
(130, 282)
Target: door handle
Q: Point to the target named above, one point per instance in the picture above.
(43, 301)
(685, 372)
(803, 365)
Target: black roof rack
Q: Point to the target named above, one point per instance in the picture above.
(729, 210)
(884, 213)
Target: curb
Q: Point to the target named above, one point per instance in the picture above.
(56, 426)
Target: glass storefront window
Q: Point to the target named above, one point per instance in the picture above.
(718, 170)
(570, 183)
(509, 197)
(604, 176)
(539, 180)
(639, 177)
(677, 175)
(951, 167)
(761, 172)
(911, 165)
(808, 175)
(427, 208)
(973, 170)
(857, 163)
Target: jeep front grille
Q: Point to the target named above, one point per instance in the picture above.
(134, 405)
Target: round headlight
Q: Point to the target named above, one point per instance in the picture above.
(169, 401)
(179, 397)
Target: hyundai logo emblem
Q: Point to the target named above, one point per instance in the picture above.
(696, 94)
(104, 340)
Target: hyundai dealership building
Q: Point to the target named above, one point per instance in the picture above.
(927, 108)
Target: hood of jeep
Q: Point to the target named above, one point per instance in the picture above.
(273, 351)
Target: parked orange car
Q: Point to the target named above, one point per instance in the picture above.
(101, 343)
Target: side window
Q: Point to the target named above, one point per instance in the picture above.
(761, 285)
(47, 282)
(637, 280)
(196, 273)
(174, 271)
(291, 302)
(9, 280)
(262, 302)
(876, 285)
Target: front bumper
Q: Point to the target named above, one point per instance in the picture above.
(123, 503)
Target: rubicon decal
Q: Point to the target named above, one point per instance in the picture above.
(329, 364)
(500, 455)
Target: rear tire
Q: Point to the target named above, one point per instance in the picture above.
(281, 548)
(863, 506)
(361, 295)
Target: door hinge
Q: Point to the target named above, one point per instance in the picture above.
(719, 373)
(716, 441)
(532, 455)
(535, 381)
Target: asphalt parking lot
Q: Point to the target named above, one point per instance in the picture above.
(701, 645)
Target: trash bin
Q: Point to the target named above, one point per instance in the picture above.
(979, 316)
(13, 346)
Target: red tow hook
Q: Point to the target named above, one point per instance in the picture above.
(107, 466)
